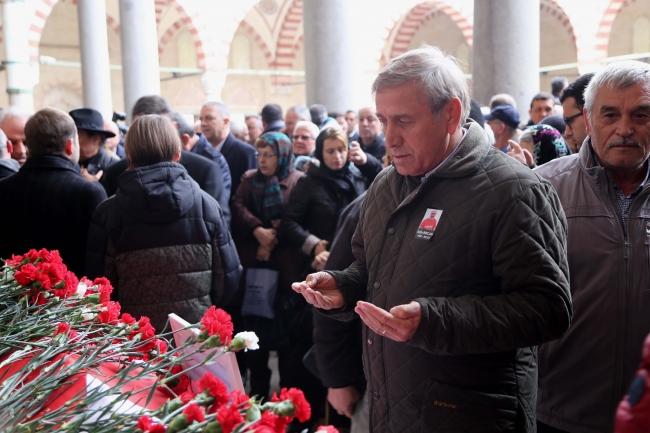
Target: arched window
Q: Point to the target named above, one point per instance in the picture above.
(641, 36)
(240, 53)
(186, 50)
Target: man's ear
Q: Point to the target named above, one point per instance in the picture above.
(454, 110)
(226, 121)
(185, 139)
(10, 147)
(69, 147)
(587, 121)
(178, 155)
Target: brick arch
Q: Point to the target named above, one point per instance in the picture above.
(190, 21)
(417, 16)
(289, 37)
(42, 11)
(552, 7)
(258, 39)
(605, 27)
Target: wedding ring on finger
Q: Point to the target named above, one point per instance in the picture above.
(383, 333)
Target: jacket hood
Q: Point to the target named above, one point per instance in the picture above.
(157, 193)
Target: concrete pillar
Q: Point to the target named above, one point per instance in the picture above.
(21, 76)
(506, 51)
(95, 66)
(328, 55)
(140, 67)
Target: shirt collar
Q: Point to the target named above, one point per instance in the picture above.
(220, 145)
(645, 181)
(423, 178)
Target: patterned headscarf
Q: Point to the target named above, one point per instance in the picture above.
(548, 144)
(267, 198)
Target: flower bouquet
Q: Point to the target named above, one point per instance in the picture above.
(69, 361)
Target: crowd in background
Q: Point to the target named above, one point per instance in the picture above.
(178, 215)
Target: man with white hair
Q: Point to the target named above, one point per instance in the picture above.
(453, 313)
(215, 126)
(295, 114)
(12, 122)
(605, 194)
(8, 166)
(304, 138)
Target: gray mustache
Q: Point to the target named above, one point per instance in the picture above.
(624, 142)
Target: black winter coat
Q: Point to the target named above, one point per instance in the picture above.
(164, 245)
(240, 157)
(313, 210)
(47, 204)
(203, 171)
(338, 344)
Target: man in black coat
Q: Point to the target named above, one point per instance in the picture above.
(215, 126)
(371, 149)
(47, 204)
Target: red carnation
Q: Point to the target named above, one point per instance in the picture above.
(187, 396)
(240, 398)
(217, 322)
(302, 409)
(27, 275)
(49, 256)
(64, 328)
(127, 318)
(229, 418)
(160, 346)
(216, 389)
(105, 289)
(146, 424)
(110, 313)
(269, 423)
(194, 413)
(70, 284)
(56, 271)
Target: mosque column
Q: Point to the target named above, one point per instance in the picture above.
(506, 51)
(95, 66)
(328, 55)
(140, 66)
(21, 75)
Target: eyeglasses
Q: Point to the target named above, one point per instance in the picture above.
(265, 155)
(568, 120)
(303, 137)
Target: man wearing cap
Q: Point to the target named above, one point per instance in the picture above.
(503, 121)
(93, 159)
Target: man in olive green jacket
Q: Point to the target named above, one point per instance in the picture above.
(452, 314)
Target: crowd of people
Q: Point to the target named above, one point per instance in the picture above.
(486, 272)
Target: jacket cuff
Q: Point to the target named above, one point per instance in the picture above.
(309, 245)
(346, 312)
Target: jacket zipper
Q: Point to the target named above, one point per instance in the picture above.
(647, 254)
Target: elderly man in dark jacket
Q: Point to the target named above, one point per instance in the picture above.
(605, 193)
(47, 204)
(451, 314)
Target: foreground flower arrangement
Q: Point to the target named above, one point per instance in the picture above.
(69, 361)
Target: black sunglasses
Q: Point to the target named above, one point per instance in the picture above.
(568, 120)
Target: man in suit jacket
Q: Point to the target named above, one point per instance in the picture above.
(47, 204)
(215, 126)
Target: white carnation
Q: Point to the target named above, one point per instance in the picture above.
(81, 290)
(250, 340)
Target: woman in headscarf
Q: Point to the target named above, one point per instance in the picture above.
(309, 221)
(544, 142)
(258, 206)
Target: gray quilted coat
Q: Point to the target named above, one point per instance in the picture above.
(492, 283)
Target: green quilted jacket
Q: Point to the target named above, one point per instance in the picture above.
(492, 282)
